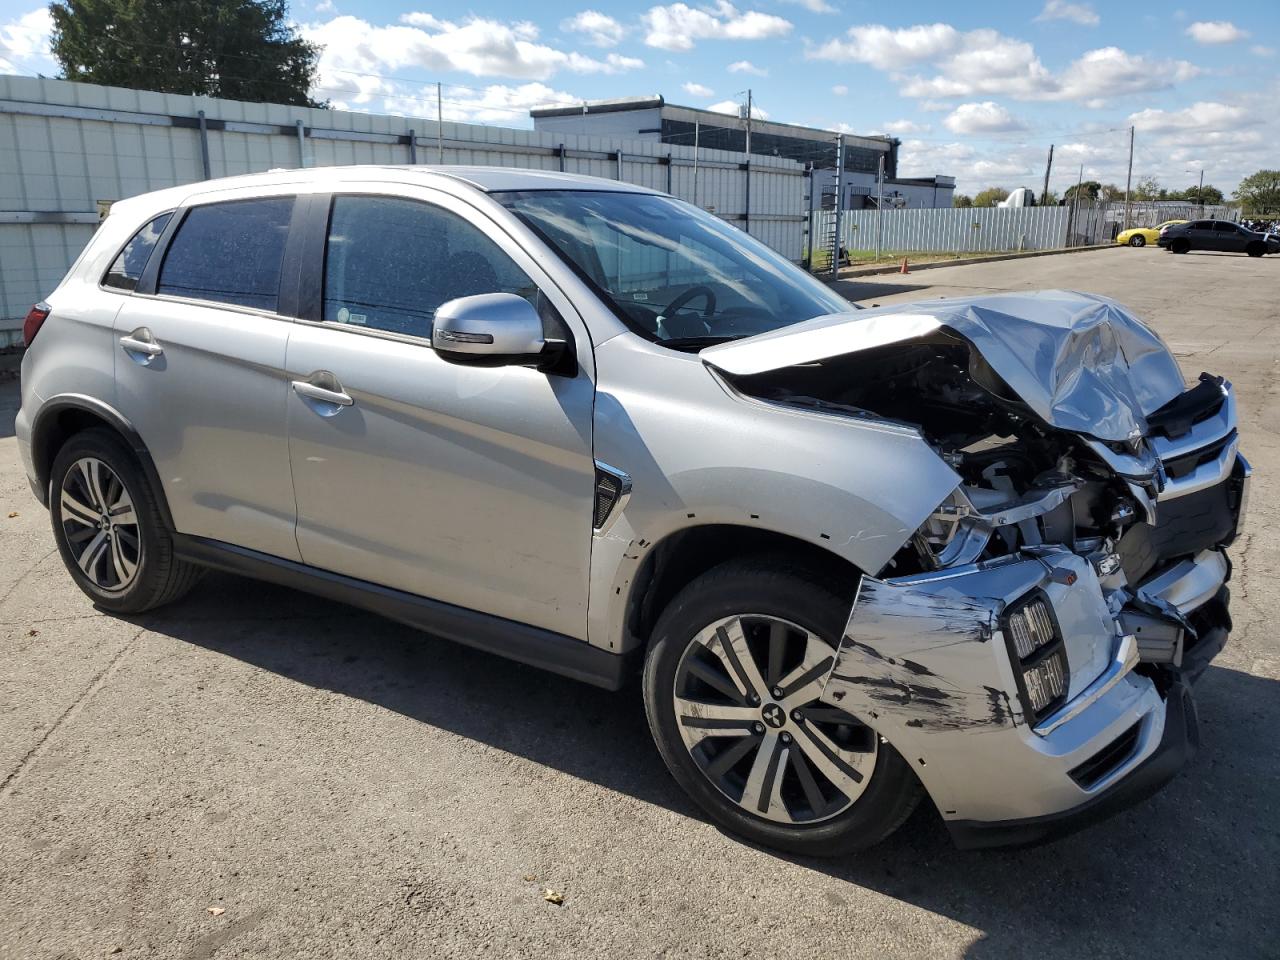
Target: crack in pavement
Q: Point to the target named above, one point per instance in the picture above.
(97, 683)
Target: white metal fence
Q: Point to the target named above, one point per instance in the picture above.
(1000, 229)
(958, 230)
(67, 150)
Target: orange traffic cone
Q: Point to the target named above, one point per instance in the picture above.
(904, 266)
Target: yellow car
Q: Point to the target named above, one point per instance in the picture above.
(1141, 236)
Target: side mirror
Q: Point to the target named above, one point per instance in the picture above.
(493, 330)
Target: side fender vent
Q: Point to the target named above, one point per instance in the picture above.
(613, 488)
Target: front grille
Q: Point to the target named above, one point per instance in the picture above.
(1096, 768)
(1184, 526)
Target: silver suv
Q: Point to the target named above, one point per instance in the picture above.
(968, 548)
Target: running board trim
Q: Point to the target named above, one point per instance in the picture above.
(534, 646)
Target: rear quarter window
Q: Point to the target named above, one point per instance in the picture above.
(127, 268)
(229, 253)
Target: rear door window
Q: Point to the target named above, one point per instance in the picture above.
(229, 253)
(1225, 228)
(127, 269)
(390, 262)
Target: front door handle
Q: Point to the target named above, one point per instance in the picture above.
(140, 341)
(322, 387)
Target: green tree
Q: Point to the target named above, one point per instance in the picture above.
(962, 200)
(1109, 191)
(1147, 188)
(1210, 195)
(1088, 190)
(990, 197)
(238, 49)
(1260, 192)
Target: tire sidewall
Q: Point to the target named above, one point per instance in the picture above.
(1138, 241)
(728, 592)
(105, 447)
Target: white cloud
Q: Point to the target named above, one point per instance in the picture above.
(936, 61)
(1080, 13)
(1215, 31)
(901, 127)
(985, 117)
(840, 90)
(731, 107)
(326, 6)
(1203, 117)
(746, 66)
(888, 49)
(24, 43)
(678, 25)
(354, 48)
(814, 6)
(496, 103)
(1258, 50)
(698, 90)
(598, 28)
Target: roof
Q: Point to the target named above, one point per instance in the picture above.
(485, 179)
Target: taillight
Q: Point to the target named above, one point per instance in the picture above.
(35, 318)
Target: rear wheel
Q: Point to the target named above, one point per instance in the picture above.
(1256, 250)
(1180, 246)
(1137, 240)
(731, 687)
(107, 524)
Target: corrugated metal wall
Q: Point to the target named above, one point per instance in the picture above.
(66, 148)
(960, 230)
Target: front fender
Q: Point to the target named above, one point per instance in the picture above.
(699, 453)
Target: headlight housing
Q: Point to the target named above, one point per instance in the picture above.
(1038, 654)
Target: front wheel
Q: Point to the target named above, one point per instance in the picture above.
(1137, 240)
(1256, 250)
(731, 685)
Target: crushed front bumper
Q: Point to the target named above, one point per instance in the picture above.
(924, 661)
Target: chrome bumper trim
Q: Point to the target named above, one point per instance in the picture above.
(1125, 659)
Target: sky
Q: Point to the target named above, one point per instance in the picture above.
(976, 90)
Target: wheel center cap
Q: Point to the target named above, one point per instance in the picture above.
(773, 715)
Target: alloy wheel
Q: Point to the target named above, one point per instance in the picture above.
(100, 524)
(746, 703)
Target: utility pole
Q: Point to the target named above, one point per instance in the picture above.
(1128, 182)
(439, 125)
(1044, 194)
(1073, 225)
(837, 213)
(879, 206)
(696, 128)
(746, 212)
(1200, 193)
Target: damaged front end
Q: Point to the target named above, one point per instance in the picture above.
(1029, 648)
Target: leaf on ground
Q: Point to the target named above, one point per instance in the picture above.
(12, 514)
(217, 911)
(529, 878)
(551, 896)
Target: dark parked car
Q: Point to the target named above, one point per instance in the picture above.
(1221, 235)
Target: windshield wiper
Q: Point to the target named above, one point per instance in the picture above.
(697, 343)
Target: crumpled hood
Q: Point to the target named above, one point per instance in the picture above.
(1081, 362)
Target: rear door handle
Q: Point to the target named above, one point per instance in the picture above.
(141, 341)
(332, 393)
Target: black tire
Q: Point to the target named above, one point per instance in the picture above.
(158, 577)
(766, 588)
(1137, 240)
(1256, 250)
(1179, 246)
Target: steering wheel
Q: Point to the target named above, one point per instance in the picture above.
(692, 293)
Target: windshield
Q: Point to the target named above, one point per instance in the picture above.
(672, 272)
